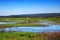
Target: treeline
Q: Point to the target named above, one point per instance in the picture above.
(43, 15)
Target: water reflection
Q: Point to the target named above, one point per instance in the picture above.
(7, 22)
(38, 22)
(52, 28)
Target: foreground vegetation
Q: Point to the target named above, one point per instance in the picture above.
(29, 36)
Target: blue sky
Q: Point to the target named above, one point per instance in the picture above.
(16, 7)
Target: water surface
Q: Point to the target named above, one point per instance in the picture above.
(7, 22)
(51, 28)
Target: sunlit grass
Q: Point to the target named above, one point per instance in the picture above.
(29, 36)
(20, 25)
(27, 21)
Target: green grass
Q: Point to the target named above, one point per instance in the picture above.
(55, 19)
(27, 21)
(20, 25)
(28, 36)
(18, 36)
(18, 19)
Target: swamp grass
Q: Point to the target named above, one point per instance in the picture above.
(21, 25)
(27, 21)
(29, 36)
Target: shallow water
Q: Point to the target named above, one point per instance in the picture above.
(7, 22)
(52, 28)
(39, 22)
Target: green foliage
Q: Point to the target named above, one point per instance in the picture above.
(28, 36)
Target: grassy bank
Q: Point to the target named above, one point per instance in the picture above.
(21, 25)
(18, 19)
(27, 21)
(29, 36)
(23, 22)
(54, 19)
(30, 20)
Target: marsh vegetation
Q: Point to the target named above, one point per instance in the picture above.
(29, 36)
(29, 22)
